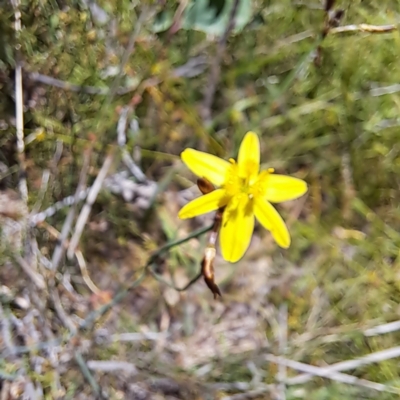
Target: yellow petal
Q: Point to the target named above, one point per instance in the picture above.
(237, 228)
(283, 188)
(271, 220)
(206, 165)
(249, 156)
(204, 204)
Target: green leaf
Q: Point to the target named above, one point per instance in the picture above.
(208, 16)
(163, 21)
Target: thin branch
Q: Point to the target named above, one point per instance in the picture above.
(19, 107)
(124, 290)
(145, 14)
(126, 158)
(381, 91)
(282, 340)
(351, 364)
(335, 376)
(36, 278)
(42, 192)
(382, 329)
(78, 255)
(112, 366)
(55, 298)
(88, 375)
(252, 394)
(119, 296)
(159, 278)
(85, 274)
(48, 80)
(215, 70)
(36, 219)
(194, 67)
(137, 336)
(364, 28)
(84, 215)
(6, 332)
(60, 248)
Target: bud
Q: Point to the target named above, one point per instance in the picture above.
(205, 186)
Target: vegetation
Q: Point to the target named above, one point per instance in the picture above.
(113, 92)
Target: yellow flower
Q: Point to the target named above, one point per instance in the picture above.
(246, 192)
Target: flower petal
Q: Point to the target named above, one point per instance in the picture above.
(249, 156)
(206, 165)
(204, 204)
(271, 220)
(237, 228)
(283, 188)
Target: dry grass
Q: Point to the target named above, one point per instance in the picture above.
(108, 107)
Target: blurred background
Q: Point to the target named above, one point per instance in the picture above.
(91, 183)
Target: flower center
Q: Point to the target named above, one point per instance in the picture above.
(252, 185)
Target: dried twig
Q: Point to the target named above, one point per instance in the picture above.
(79, 258)
(48, 80)
(55, 298)
(194, 67)
(88, 375)
(85, 273)
(19, 108)
(137, 336)
(84, 215)
(351, 364)
(126, 158)
(68, 201)
(119, 296)
(59, 249)
(335, 376)
(176, 22)
(124, 290)
(380, 91)
(156, 255)
(215, 70)
(382, 329)
(282, 340)
(112, 366)
(36, 278)
(43, 189)
(146, 14)
(6, 332)
(363, 28)
(252, 394)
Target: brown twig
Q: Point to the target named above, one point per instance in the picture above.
(207, 264)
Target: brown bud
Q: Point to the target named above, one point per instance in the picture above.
(207, 269)
(205, 186)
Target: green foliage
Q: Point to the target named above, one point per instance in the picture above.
(208, 16)
(328, 122)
